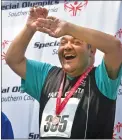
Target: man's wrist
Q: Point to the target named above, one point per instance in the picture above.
(29, 29)
(74, 30)
(69, 28)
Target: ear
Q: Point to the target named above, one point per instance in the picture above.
(92, 50)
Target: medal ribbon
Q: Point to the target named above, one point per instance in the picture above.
(60, 105)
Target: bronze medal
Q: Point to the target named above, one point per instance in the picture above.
(55, 120)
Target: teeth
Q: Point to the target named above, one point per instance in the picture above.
(69, 55)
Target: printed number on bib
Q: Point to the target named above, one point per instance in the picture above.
(66, 119)
(61, 127)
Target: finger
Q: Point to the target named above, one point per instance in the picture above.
(39, 11)
(45, 12)
(31, 11)
(51, 17)
(49, 32)
(43, 20)
(52, 34)
(40, 25)
(36, 11)
(35, 6)
(43, 25)
(47, 23)
(44, 30)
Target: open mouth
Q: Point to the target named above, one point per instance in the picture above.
(69, 57)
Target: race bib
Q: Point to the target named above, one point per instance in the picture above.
(64, 127)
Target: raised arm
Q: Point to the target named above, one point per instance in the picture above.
(106, 43)
(15, 56)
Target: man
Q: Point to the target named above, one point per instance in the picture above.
(6, 128)
(77, 100)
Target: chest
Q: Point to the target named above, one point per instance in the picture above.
(74, 117)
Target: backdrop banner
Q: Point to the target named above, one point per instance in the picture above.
(22, 109)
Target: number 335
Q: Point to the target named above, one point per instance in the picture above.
(61, 127)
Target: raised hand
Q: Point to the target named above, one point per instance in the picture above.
(35, 13)
(52, 26)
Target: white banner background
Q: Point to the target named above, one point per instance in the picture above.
(23, 110)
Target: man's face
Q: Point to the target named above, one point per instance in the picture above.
(74, 55)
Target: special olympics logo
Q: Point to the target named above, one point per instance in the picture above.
(75, 7)
(5, 45)
(117, 130)
(119, 34)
